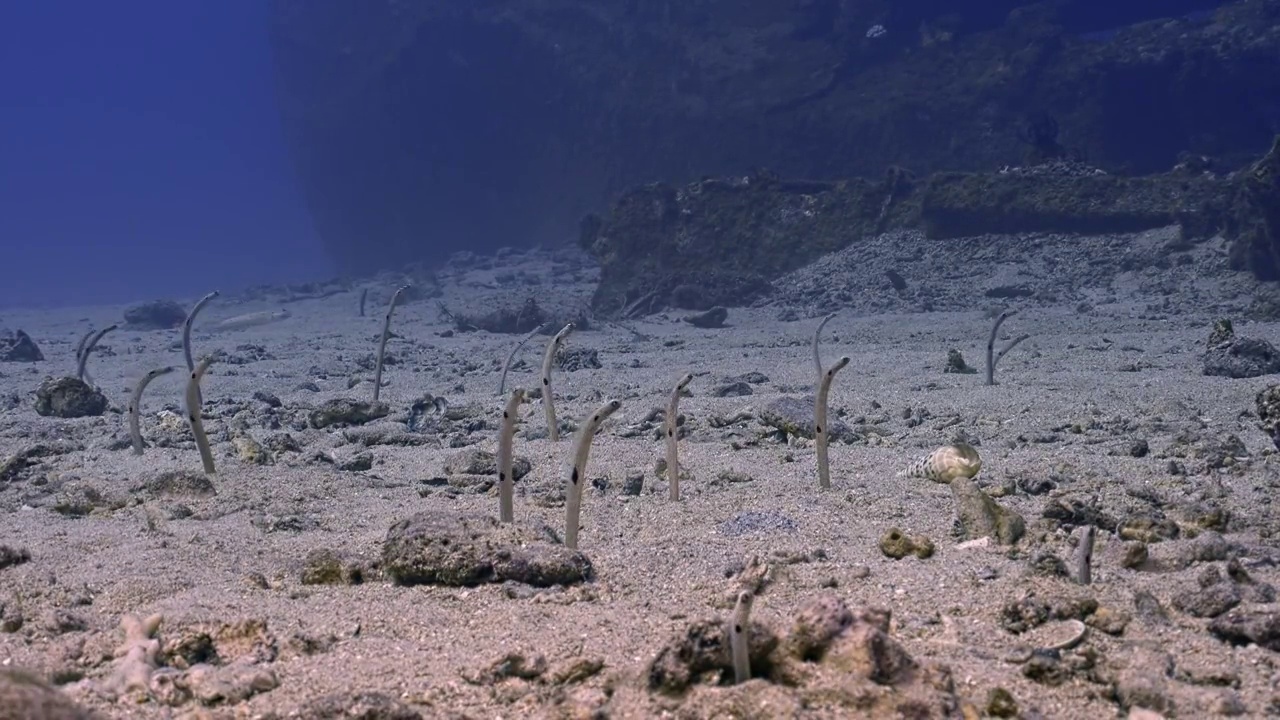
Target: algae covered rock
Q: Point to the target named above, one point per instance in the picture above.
(1241, 357)
(445, 548)
(25, 697)
(794, 416)
(68, 397)
(345, 411)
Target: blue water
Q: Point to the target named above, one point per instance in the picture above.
(141, 153)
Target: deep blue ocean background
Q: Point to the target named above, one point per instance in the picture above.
(141, 154)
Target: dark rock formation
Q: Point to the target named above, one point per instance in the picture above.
(155, 315)
(730, 238)
(17, 346)
(68, 397)
(1256, 221)
(1267, 405)
(960, 204)
(420, 128)
(445, 548)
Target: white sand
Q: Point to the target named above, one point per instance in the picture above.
(658, 564)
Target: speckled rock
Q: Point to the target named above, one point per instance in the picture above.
(1267, 405)
(345, 411)
(445, 548)
(68, 397)
(702, 651)
(897, 545)
(1242, 626)
(1242, 358)
(794, 416)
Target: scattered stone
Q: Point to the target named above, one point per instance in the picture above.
(981, 516)
(1046, 668)
(178, 484)
(1208, 546)
(897, 545)
(478, 469)
(1142, 678)
(1076, 512)
(1242, 358)
(282, 443)
(1250, 589)
(82, 499)
(845, 657)
(13, 556)
(17, 346)
(156, 315)
(1223, 333)
(359, 462)
(1134, 555)
(1267, 404)
(631, 486)
(733, 389)
(1036, 485)
(1242, 626)
(24, 696)
(1047, 564)
(794, 417)
(1000, 703)
(956, 364)
(446, 548)
(250, 451)
(68, 397)
(1149, 608)
(511, 665)
(344, 411)
(268, 399)
(704, 650)
(325, 566)
(729, 476)
(1208, 601)
(1148, 529)
(713, 318)
(572, 359)
(1205, 515)
(1111, 622)
(751, 378)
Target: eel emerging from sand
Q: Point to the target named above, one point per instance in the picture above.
(253, 319)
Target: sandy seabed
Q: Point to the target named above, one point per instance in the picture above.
(1104, 407)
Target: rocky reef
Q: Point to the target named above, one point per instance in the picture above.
(723, 241)
(422, 128)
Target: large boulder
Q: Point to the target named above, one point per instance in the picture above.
(425, 127)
